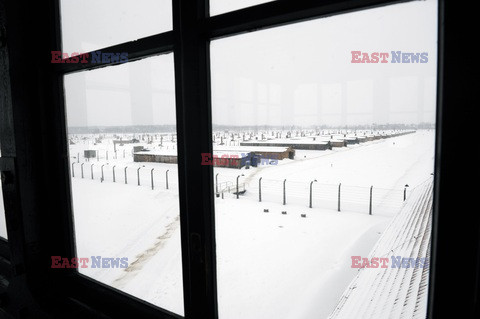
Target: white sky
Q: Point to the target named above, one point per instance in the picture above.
(299, 74)
(222, 6)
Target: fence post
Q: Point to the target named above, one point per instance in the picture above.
(216, 183)
(78, 157)
(114, 173)
(73, 169)
(101, 180)
(405, 192)
(260, 189)
(311, 184)
(82, 168)
(370, 207)
(166, 178)
(138, 175)
(339, 188)
(91, 169)
(151, 176)
(284, 193)
(126, 174)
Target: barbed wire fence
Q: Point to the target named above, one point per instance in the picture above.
(140, 175)
(369, 200)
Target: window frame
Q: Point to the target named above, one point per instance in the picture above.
(41, 203)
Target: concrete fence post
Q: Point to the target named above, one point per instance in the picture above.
(138, 176)
(260, 189)
(311, 192)
(166, 178)
(284, 193)
(151, 177)
(370, 206)
(113, 173)
(82, 168)
(125, 170)
(73, 169)
(91, 170)
(405, 192)
(339, 190)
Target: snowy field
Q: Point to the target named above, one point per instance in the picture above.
(270, 265)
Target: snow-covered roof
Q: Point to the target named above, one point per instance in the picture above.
(289, 141)
(394, 292)
(173, 152)
(164, 152)
(248, 149)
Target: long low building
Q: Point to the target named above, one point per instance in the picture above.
(156, 157)
(341, 140)
(338, 143)
(219, 159)
(295, 144)
(230, 157)
(265, 152)
(227, 159)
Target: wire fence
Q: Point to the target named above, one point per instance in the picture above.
(101, 155)
(154, 178)
(368, 200)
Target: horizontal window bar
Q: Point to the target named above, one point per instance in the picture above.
(126, 52)
(282, 12)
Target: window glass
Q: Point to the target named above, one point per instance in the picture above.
(123, 165)
(89, 25)
(323, 134)
(224, 6)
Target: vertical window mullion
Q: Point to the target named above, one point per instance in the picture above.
(194, 131)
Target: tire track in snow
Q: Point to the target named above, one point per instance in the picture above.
(142, 259)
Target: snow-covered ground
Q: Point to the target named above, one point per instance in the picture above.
(270, 265)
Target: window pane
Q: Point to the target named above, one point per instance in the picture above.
(123, 155)
(326, 148)
(89, 25)
(224, 6)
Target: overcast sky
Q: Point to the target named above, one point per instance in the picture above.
(299, 74)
